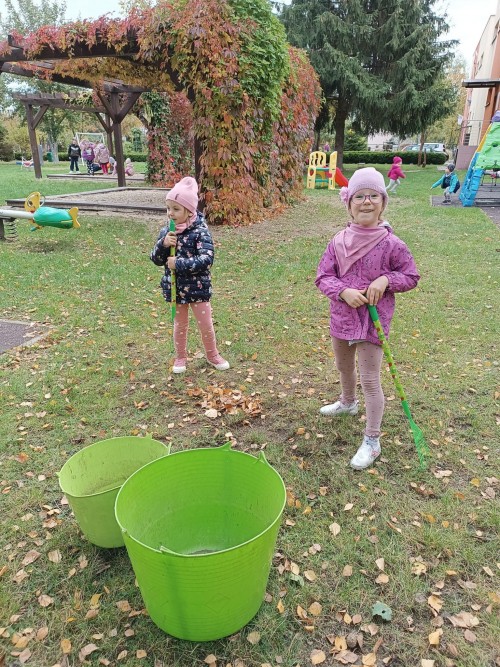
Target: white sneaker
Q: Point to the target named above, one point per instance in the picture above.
(223, 366)
(339, 408)
(366, 454)
(179, 366)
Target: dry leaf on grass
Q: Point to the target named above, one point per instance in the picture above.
(45, 600)
(86, 651)
(334, 528)
(369, 660)
(254, 638)
(435, 603)
(211, 660)
(347, 571)
(380, 562)
(315, 609)
(310, 575)
(65, 646)
(382, 579)
(140, 654)
(317, 657)
(463, 620)
(435, 637)
(31, 557)
(470, 636)
(427, 663)
(346, 657)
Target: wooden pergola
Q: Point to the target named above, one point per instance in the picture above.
(116, 97)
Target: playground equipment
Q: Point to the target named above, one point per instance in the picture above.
(25, 164)
(319, 172)
(485, 159)
(40, 215)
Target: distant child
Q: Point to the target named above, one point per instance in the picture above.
(449, 182)
(394, 174)
(74, 154)
(129, 167)
(102, 156)
(112, 166)
(194, 255)
(363, 264)
(88, 155)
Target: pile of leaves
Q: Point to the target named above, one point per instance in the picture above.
(217, 399)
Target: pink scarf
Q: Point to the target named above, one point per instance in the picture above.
(184, 225)
(355, 242)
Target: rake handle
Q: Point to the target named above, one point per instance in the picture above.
(387, 352)
(173, 284)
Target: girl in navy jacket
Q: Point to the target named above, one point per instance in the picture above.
(194, 255)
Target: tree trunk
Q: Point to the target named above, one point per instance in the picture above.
(339, 124)
(421, 150)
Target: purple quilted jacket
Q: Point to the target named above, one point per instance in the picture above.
(392, 258)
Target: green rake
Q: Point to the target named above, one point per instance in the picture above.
(173, 284)
(418, 437)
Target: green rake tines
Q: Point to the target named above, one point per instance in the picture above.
(420, 443)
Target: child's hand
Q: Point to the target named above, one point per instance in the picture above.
(353, 297)
(171, 263)
(376, 289)
(170, 240)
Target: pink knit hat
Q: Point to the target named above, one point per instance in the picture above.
(369, 178)
(397, 160)
(185, 193)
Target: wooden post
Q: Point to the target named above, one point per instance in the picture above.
(34, 146)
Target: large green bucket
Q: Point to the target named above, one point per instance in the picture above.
(92, 477)
(200, 528)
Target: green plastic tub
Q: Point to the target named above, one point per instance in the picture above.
(92, 477)
(200, 528)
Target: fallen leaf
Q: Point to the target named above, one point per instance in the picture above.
(45, 600)
(334, 529)
(42, 633)
(435, 637)
(317, 657)
(315, 609)
(124, 605)
(253, 638)
(380, 562)
(86, 651)
(211, 413)
(347, 571)
(382, 579)
(435, 603)
(24, 656)
(210, 660)
(346, 657)
(369, 660)
(54, 556)
(122, 655)
(280, 607)
(348, 507)
(356, 619)
(140, 654)
(427, 663)
(419, 568)
(65, 646)
(31, 557)
(463, 620)
(469, 636)
(310, 575)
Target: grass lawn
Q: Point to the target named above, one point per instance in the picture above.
(425, 543)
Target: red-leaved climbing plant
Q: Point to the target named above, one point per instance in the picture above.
(231, 102)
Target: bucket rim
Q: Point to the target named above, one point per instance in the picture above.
(164, 550)
(96, 494)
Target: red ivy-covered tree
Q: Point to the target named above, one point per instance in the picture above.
(253, 98)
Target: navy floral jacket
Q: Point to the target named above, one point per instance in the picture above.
(194, 256)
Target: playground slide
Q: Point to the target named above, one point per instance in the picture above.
(487, 156)
(340, 179)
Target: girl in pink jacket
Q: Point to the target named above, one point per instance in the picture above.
(394, 174)
(364, 263)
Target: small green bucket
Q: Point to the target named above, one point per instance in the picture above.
(200, 528)
(92, 477)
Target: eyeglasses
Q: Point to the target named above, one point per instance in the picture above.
(375, 198)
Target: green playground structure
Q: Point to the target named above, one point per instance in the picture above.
(486, 159)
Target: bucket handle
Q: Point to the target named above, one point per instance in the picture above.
(261, 457)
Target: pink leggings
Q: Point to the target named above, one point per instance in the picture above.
(369, 363)
(203, 313)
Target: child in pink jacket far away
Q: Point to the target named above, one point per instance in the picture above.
(394, 174)
(363, 264)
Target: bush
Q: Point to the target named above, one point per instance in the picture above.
(385, 157)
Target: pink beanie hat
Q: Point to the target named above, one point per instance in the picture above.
(185, 193)
(396, 160)
(369, 178)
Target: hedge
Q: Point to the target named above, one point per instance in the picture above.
(386, 157)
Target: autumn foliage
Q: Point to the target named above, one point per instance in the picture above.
(235, 97)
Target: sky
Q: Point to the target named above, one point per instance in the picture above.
(467, 18)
